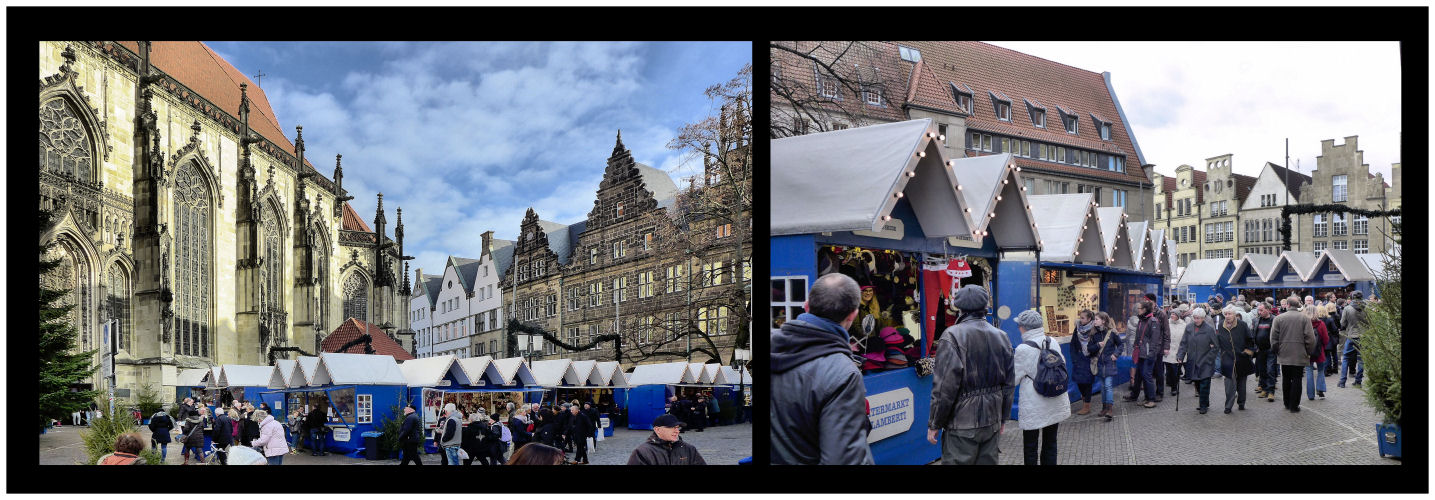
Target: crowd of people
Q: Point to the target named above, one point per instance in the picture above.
(978, 374)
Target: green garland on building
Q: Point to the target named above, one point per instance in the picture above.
(514, 326)
(1290, 210)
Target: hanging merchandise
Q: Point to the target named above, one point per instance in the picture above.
(889, 300)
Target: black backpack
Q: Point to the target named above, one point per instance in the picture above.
(1051, 376)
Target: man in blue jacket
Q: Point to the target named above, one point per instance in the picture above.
(819, 406)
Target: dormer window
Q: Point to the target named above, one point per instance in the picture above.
(1068, 119)
(1103, 126)
(1038, 113)
(872, 96)
(1001, 105)
(826, 84)
(963, 97)
(910, 54)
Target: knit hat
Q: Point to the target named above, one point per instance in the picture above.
(1029, 319)
(970, 298)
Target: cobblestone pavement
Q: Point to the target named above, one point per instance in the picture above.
(1338, 430)
(723, 445)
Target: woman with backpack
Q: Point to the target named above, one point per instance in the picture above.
(1199, 351)
(1040, 372)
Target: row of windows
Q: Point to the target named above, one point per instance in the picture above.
(1221, 254)
(1001, 107)
(1218, 209)
(978, 141)
(1261, 230)
(1361, 246)
(1220, 231)
(1334, 224)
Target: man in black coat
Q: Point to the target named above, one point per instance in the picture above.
(315, 422)
(818, 413)
(411, 435)
(561, 439)
(593, 416)
(223, 436)
(579, 429)
(665, 447)
(699, 414)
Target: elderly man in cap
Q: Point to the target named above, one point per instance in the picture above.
(819, 406)
(973, 384)
(665, 447)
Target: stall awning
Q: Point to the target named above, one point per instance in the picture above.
(283, 369)
(515, 371)
(1206, 272)
(610, 374)
(1068, 226)
(1347, 263)
(1291, 284)
(1264, 265)
(1096, 269)
(195, 377)
(357, 369)
(430, 372)
(491, 389)
(480, 371)
(1115, 238)
(303, 371)
(245, 375)
(1374, 263)
(848, 180)
(673, 373)
(992, 188)
(553, 372)
(1142, 256)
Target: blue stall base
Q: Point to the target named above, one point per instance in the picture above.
(1388, 436)
(911, 446)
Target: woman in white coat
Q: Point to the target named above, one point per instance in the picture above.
(1037, 415)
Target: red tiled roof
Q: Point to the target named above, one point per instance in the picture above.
(1244, 183)
(884, 56)
(1168, 185)
(352, 221)
(1047, 166)
(196, 66)
(926, 91)
(1198, 181)
(987, 68)
(353, 329)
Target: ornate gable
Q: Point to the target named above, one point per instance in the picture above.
(622, 194)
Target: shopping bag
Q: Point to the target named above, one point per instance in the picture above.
(590, 443)
(599, 432)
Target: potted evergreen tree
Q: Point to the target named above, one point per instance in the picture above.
(1380, 351)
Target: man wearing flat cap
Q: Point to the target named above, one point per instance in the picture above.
(974, 383)
(665, 447)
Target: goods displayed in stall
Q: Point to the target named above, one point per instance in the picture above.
(1064, 294)
(944, 275)
(883, 333)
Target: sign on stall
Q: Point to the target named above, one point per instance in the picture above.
(341, 434)
(892, 230)
(891, 414)
(603, 422)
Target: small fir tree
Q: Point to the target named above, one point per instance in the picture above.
(1380, 345)
(60, 365)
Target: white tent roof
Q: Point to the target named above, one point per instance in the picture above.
(848, 180)
(1171, 256)
(1068, 225)
(283, 370)
(480, 371)
(1164, 264)
(586, 373)
(1262, 263)
(245, 375)
(1143, 256)
(553, 372)
(194, 377)
(1349, 264)
(1203, 272)
(303, 371)
(430, 372)
(1114, 237)
(1374, 262)
(1301, 262)
(992, 188)
(357, 369)
(699, 377)
(610, 373)
(515, 371)
(676, 372)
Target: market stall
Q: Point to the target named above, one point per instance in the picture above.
(1304, 274)
(357, 391)
(884, 206)
(650, 387)
(1375, 264)
(242, 383)
(472, 384)
(194, 383)
(1206, 277)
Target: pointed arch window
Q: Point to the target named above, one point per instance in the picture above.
(72, 274)
(117, 285)
(64, 144)
(193, 235)
(320, 254)
(356, 298)
(271, 277)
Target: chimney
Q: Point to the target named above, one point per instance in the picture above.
(487, 243)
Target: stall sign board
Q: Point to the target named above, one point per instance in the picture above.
(603, 423)
(892, 230)
(341, 434)
(891, 414)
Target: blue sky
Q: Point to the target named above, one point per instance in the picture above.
(466, 136)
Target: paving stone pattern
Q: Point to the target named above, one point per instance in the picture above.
(1339, 430)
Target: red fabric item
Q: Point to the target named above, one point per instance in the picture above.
(1324, 339)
